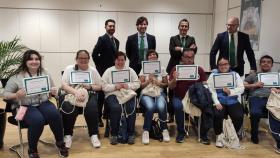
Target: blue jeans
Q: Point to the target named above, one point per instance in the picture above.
(115, 114)
(179, 114)
(36, 117)
(275, 128)
(151, 105)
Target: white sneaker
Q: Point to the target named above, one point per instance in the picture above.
(165, 134)
(95, 141)
(219, 141)
(145, 137)
(68, 141)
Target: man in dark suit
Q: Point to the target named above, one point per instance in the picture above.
(103, 56)
(178, 43)
(138, 44)
(231, 45)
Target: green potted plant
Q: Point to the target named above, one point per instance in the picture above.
(11, 53)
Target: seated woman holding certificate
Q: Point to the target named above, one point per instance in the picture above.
(120, 85)
(152, 96)
(225, 86)
(259, 90)
(35, 108)
(80, 81)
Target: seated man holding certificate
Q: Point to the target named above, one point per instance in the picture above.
(80, 82)
(225, 86)
(260, 86)
(153, 80)
(181, 78)
(33, 96)
(120, 84)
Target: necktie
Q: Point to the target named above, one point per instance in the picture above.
(232, 51)
(113, 42)
(141, 49)
(183, 42)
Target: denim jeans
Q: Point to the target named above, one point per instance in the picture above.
(115, 114)
(36, 117)
(151, 105)
(275, 128)
(179, 114)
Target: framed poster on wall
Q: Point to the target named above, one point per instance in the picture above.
(250, 22)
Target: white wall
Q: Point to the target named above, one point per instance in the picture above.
(58, 28)
(270, 25)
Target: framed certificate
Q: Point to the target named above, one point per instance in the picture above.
(222, 80)
(187, 72)
(80, 77)
(270, 79)
(36, 85)
(151, 67)
(121, 76)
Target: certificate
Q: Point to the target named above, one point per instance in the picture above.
(151, 67)
(121, 76)
(187, 72)
(270, 79)
(222, 80)
(36, 85)
(80, 77)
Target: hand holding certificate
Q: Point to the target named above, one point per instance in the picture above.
(80, 77)
(151, 67)
(121, 76)
(270, 79)
(222, 80)
(187, 72)
(36, 85)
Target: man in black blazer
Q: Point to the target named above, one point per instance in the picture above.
(135, 53)
(241, 44)
(103, 56)
(179, 43)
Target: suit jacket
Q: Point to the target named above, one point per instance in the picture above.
(221, 44)
(104, 53)
(175, 41)
(132, 50)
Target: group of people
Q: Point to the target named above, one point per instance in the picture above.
(104, 91)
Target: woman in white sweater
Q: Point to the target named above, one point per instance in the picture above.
(112, 90)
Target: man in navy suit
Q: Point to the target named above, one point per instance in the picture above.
(138, 44)
(233, 49)
(103, 56)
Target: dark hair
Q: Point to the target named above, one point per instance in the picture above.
(27, 56)
(184, 20)
(77, 55)
(141, 19)
(120, 53)
(109, 20)
(221, 59)
(150, 51)
(267, 57)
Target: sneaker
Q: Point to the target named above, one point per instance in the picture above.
(33, 154)
(205, 141)
(68, 141)
(62, 150)
(145, 137)
(95, 141)
(255, 139)
(131, 140)
(180, 138)
(165, 134)
(114, 140)
(277, 150)
(219, 141)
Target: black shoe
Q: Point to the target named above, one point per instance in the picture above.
(33, 154)
(131, 140)
(255, 139)
(101, 124)
(114, 140)
(180, 138)
(205, 141)
(1, 145)
(62, 150)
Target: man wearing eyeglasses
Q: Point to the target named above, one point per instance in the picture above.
(231, 45)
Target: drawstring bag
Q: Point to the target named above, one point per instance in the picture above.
(125, 95)
(72, 99)
(231, 139)
(122, 134)
(273, 104)
(151, 90)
